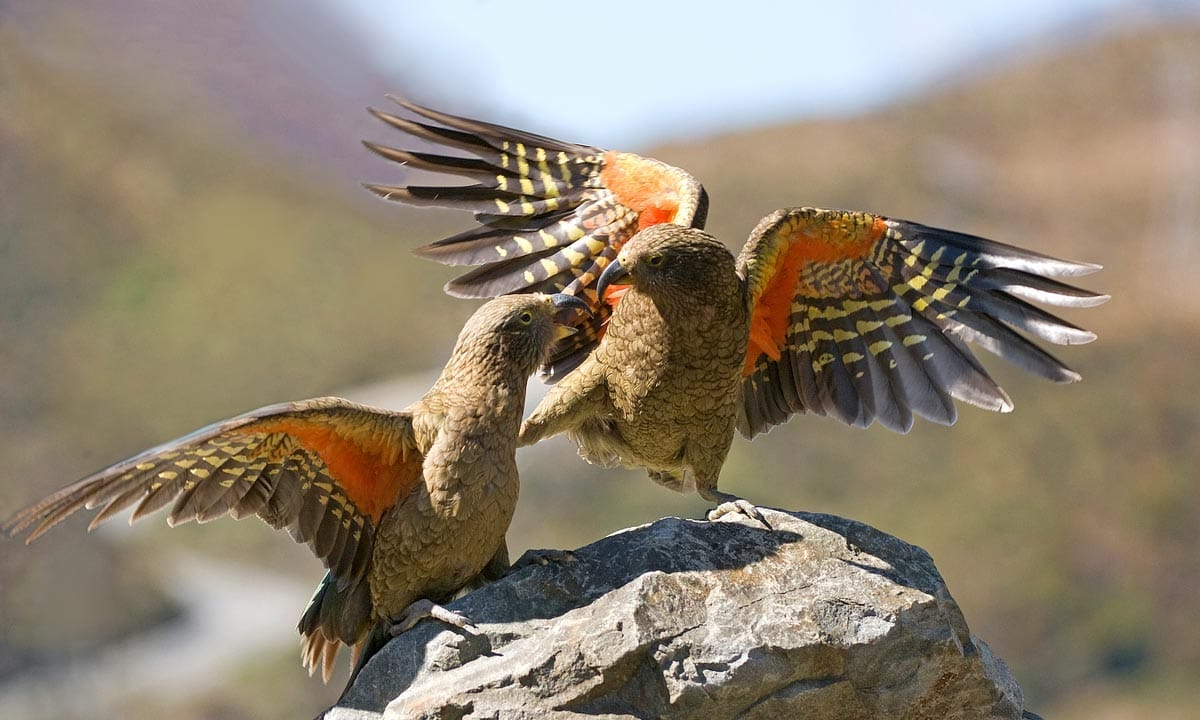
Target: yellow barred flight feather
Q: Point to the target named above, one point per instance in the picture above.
(854, 316)
(876, 327)
(318, 468)
(552, 215)
(248, 465)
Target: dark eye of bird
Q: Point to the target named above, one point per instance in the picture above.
(525, 317)
(654, 260)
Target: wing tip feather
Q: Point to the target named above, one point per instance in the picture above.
(11, 527)
(1081, 337)
(402, 102)
(464, 292)
(391, 193)
(378, 148)
(387, 118)
(40, 530)
(438, 253)
(1079, 268)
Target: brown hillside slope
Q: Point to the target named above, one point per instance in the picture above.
(156, 276)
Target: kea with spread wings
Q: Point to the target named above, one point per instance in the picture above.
(840, 313)
(404, 508)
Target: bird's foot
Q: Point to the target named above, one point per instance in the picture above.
(730, 504)
(543, 557)
(423, 609)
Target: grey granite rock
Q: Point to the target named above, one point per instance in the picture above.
(821, 618)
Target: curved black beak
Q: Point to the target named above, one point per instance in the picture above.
(563, 301)
(567, 312)
(613, 273)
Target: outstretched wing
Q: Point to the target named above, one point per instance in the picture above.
(551, 214)
(865, 318)
(324, 469)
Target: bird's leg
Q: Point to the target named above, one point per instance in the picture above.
(679, 481)
(568, 404)
(425, 608)
(706, 461)
(543, 557)
(496, 568)
(727, 503)
(499, 567)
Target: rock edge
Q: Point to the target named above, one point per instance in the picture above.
(823, 617)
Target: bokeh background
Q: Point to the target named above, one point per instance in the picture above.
(182, 238)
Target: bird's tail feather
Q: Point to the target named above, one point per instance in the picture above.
(334, 617)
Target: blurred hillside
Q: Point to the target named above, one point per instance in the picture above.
(167, 257)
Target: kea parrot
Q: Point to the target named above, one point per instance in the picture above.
(403, 508)
(840, 313)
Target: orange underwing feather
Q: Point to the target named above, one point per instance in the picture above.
(646, 186)
(551, 214)
(370, 472)
(831, 242)
(768, 325)
(614, 293)
(865, 318)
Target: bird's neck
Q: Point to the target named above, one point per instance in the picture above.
(482, 384)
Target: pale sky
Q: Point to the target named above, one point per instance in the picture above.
(625, 73)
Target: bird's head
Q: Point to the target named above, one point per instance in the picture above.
(671, 261)
(517, 331)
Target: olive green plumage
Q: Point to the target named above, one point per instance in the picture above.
(840, 313)
(660, 390)
(404, 508)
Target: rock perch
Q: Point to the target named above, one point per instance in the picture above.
(822, 618)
